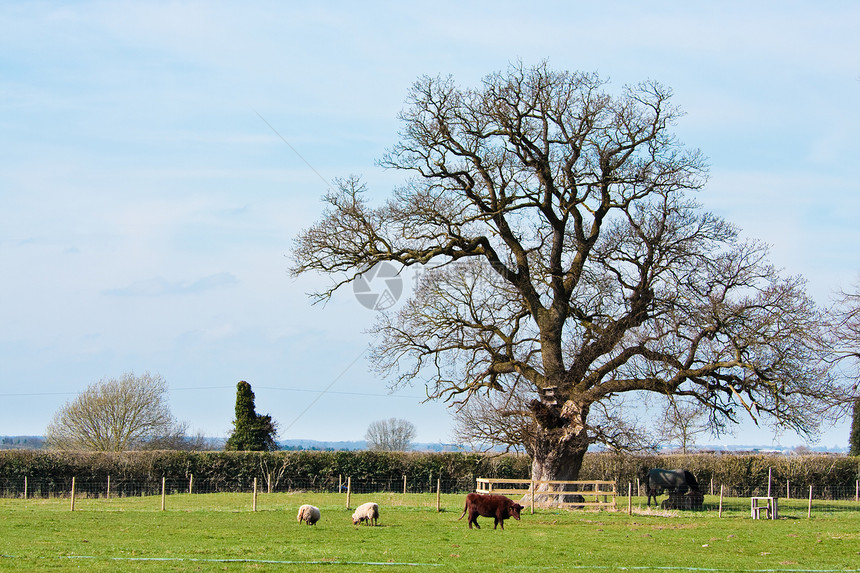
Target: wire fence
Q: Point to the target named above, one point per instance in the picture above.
(795, 500)
(799, 501)
(109, 487)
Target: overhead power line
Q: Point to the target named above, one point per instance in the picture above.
(183, 388)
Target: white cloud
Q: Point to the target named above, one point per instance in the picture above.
(159, 286)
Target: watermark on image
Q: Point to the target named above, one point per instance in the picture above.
(378, 288)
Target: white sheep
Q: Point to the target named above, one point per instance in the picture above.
(367, 512)
(309, 514)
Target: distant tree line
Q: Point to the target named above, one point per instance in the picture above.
(21, 442)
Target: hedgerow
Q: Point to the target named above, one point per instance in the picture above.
(746, 474)
(235, 471)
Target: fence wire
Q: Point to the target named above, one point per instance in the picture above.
(794, 499)
(119, 487)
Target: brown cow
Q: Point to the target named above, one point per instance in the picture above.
(490, 505)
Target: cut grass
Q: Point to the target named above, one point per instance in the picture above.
(219, 532)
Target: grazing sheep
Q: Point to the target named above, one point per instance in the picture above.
(367, 512)
(309, 514)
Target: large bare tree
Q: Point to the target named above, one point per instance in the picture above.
(562, 251)
(118, 414)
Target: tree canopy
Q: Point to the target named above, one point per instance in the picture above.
(393, 435)
(567, 266)
(118, 414)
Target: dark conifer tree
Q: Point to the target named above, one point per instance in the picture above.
(251, 431)
(854, 440)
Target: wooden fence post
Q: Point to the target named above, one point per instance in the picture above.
(533, 495)
(254, 499)
(856, 489)
(788, 489)
(809, 511)
(107, 494)
(25, 487)
(630, 498)
(404, 484)
(73, 493)
(720, 514)
(348, 490)
(438, 494)
(163, 491)
(769, 479)
(191, 483)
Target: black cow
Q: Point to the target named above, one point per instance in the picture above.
(677, 500)
(675, 481)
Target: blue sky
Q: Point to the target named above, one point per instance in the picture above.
(148, 211)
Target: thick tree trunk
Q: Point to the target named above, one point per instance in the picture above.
(557, 459)
(557, 452)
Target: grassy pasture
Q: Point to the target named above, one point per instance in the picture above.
(219, 532)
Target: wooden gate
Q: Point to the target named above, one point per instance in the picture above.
(598, 494)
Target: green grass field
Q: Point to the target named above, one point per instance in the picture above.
(219, 532)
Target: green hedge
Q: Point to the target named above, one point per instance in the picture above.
(235, 471)
(744, 474)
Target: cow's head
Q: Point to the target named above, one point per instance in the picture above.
(515, 510)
